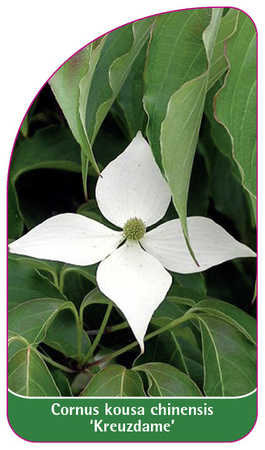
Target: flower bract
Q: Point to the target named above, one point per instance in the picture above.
(134, 262)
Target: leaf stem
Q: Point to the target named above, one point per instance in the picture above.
(111, 329)
(79, 331)
(61, 280)
(55, 279)
(55, 364)
(100, 333)
(184, 318)
(119, 326)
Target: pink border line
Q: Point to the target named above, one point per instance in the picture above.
(136, 20)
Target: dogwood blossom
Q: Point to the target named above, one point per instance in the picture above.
(134, 262)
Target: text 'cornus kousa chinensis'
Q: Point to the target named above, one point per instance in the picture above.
(134, 262)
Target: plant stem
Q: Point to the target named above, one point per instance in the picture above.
(79, 340)
(79, 331)
(184, 318)
(118, 327)
(55, 364)
(100, 333)
(61, 280)
(55, 279)
(111, 329)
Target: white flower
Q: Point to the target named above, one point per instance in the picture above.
(133, 195)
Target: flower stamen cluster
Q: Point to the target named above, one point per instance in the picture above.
(134, 229)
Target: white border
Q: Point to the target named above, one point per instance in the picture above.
(131, 398)
(36, 37)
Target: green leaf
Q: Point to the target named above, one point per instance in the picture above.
(65, 85)
(188, 286)
(109, 64)
(28, 375)
(229, 359)
(107, 147)
(92, 211)
(200, 188)
(15, 344)
(171, 308)
(61, 381)
(219, 63)
(52, 147)
(94, 297)
(178, 300)
(32, 318)
(231, 314)
(217, 132)
(180, 128)
(25, 283)
(45, 267)
(235, 206)
(224, 171)
(176, 42)
(24, 129)
(117, 57)
(185, 294)
(179, 135)
(85, 83)
(15, 222)
(88, 272)
(129, 101)
(76, 286)
(178, 348)
(236, 101)
(84, 88)
(167, 381)
(115, 381)
(62, 335)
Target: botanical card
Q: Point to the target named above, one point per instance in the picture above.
(132, 237)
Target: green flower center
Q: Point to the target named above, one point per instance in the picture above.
(134, 229)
